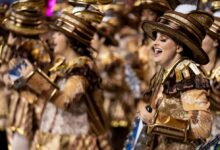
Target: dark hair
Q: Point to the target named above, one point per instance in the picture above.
(3, 33)
(24, 36)
(80, 48)
(186, 52)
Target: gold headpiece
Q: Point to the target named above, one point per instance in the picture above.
(74, 27)
(214, 30)
(25, 19)
(158, 5)
(189, 29)
(89, 13)
(90, 1)
(215, 5)
(3, 9)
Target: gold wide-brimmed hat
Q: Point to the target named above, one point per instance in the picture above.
(90, 16)
(188, 29)
(89, 1)
(158, 5)
(25, 19)
(114, 7)
(75, 27)
(111, 21)
(89, 13)
(215, 5)
(30, 3)
(3, 9)
(214, 30)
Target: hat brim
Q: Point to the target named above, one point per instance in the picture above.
(76, 37)
(213, 35)
(27, 31)
(153, 6)
(199, 56)
(73, 35)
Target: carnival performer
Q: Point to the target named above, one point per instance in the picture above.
(25, 23)
(178, 116)
(151, 11)
(118, 99)
(3, 100)
(74, 118)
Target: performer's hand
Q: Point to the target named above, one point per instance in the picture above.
(6, 53)
(7, 80)
(147, 113)
(11, 39)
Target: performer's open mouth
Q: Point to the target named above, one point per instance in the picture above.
(157, 51)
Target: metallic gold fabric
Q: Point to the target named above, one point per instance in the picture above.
(21, 115)
(3, 109)
(48, 141)
(214, 93)
(190, 105)
(24, 113)
(70, 121)
(214, 97)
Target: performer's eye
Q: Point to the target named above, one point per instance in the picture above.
(163, 40)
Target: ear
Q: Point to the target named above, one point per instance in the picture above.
(179, 48)
(215, 44)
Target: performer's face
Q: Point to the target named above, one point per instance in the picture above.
(60, 42)
(209, 44)
(148, 14)
(164, 50)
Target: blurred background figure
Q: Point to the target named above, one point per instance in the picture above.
(24, 25)
(211, 45)
(3, 93)
(126, 66)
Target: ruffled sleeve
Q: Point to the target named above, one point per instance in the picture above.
(195, 102)
(73, 90)
(187, 81)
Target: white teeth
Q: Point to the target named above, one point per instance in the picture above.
(157, 50)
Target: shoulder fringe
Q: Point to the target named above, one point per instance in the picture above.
(65, 67)
(184, 76)
(183, 70)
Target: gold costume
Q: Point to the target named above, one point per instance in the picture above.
(178, 116)
(74, 119)
(182, 96)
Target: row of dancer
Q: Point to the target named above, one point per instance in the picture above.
(67, 113)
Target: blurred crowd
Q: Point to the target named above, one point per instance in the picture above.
(76, 79)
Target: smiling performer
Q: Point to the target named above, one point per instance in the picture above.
(178, 116)
(74, 118)
(24, 22)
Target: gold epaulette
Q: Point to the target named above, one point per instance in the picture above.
(216, 74)
(182, 70)
(63, 67)
(80, 62)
